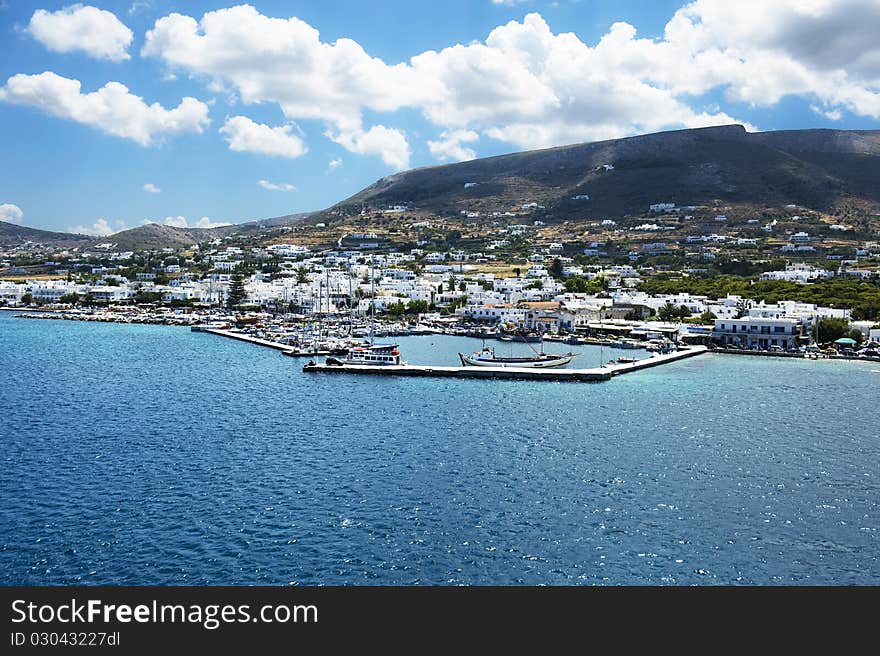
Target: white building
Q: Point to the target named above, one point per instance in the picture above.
(758, 332)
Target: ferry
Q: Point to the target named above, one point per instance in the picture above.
(369, 354)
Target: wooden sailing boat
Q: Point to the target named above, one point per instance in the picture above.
(488, 358)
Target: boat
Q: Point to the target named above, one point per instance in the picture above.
(505, 335)
(369, 353)
(211, 325)
(487, 358)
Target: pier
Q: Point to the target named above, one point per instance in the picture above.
(250, 340)
(512, 373)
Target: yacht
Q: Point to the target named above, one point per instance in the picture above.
(369, 354)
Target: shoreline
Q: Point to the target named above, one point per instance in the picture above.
(171, 318)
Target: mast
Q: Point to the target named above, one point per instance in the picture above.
(350, 300)
(317, 338)
(372, 302)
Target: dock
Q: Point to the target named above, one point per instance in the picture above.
(511, 373)
(250, 340)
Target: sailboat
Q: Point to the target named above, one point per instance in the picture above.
(487, 358)
(370, 353)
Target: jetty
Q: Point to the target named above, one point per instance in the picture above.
(249, 339)
(513, 373)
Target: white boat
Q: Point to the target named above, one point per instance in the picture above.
(370, 355)
(487, 358)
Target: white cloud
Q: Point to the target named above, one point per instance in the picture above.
(389, 143)
(531, 87)
(94, 31)
(151, 188)
(176, 221)
(334, 164)
(205, 222)
(111, 109)
(508, 3)
(181, 222)
(101, 228)
(138, 6)
(449, 147)
(271, 186)
(11, 213)
(244, 135)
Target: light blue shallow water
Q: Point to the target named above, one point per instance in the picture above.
(154, 455)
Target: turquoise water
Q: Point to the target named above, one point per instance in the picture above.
(154, 455)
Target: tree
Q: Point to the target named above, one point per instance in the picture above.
(577, 285)
(72, 299)
(857, 335)
(302, 276)
(27, 299)
(462, 286)
(667, 312)
(417, 307)
(556, 268)
(237, 292)
(397, 309)
(707, 317)
(829, 330)
(683, 312)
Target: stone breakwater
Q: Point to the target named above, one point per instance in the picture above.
(156, 319)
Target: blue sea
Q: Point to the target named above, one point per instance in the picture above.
(155, 455)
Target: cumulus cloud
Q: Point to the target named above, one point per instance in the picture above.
(334, 164)
(244, 135)
(181, 222)
(11, 213)
(531, 87)
(388, 143)
(111, 109)
(284, 61)
(205, 222)
(176, 221)
(100, 228)
(151, 188)
(271, 186)
(94, 31)
(450, 148)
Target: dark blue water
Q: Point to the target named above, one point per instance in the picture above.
(153, 455)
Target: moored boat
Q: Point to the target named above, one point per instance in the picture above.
(487, 358)
(370, 355)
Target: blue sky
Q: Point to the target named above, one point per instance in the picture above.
(320, 106)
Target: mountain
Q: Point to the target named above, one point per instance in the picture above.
(145, 237)
(12, 235)
(155, 235)
(819, 169)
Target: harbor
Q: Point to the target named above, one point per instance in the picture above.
(511, 373)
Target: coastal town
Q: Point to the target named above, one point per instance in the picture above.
(599, 282)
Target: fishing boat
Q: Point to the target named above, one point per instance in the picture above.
(488, 358)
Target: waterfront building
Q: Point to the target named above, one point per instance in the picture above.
(755, 332)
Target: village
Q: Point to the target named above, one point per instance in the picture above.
(518, 277)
